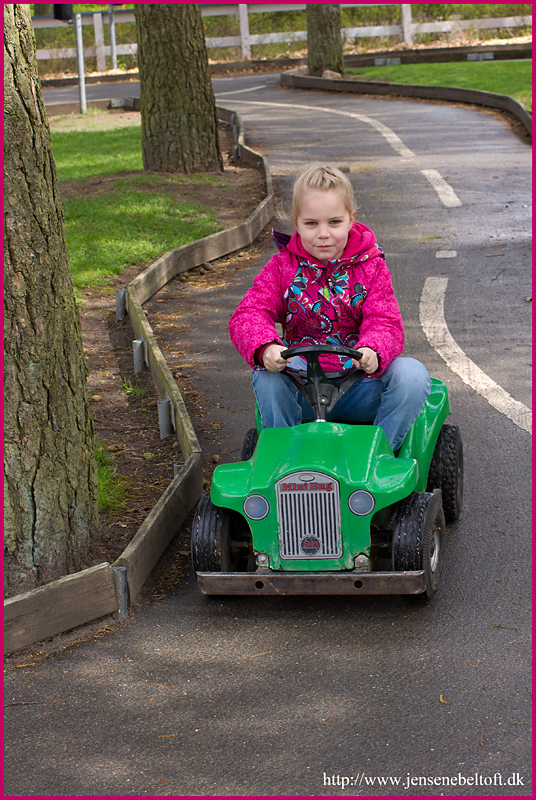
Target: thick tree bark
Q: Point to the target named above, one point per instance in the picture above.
(324, 44)
(50, 473)
(178, 109)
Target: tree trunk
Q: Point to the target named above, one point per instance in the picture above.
(178, 110)
(42, 9)
(324, 44)
(50, 473)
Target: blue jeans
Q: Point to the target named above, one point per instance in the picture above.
(393, 400)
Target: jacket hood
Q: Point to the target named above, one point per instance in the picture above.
(361, 243)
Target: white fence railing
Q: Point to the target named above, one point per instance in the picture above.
(408, 30)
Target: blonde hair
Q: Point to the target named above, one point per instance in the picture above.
(323, 177)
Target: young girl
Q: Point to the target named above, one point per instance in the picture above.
(329, 285)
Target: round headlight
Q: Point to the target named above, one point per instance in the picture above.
(361, 503)
(256, 507)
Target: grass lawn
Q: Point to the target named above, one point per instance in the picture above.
(128, 225)
(513, 78)
(126, 220)
(87, 153)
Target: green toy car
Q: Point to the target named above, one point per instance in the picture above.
(326, 507)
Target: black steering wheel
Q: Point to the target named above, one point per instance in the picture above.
(322, 391)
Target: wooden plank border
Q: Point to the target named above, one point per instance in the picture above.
(59, 606)
(84, 596)
(164, 521)
(162, 377)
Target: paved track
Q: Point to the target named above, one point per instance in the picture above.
(273, 696)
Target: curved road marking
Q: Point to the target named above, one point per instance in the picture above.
(388, 134)
(446, 193)
(432, 316)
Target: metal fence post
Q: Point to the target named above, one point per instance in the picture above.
(80, 62)
(139, 355)
(120, 304)
(244, 31)
(121, 591)
(164, 418)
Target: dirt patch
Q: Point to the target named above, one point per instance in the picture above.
(94, 120)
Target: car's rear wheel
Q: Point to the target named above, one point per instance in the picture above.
(446, 471)
(220, 539)
(418, 538)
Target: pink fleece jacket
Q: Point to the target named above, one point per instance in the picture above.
(350, 301)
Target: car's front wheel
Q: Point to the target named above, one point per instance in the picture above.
(419, 537)
(220, 539)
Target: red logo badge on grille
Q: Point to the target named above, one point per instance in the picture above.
(310, 545)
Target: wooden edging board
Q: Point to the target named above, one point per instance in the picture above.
(165, 518)
(163, 379)
(59, 606)
(504, 102)
(77, 599)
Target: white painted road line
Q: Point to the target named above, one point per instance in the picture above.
(240, 91)
(446, 193)
(432, 315)
(388, 134)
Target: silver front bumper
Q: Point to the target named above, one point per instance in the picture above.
(304, 583)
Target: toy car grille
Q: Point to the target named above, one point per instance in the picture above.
(309, 516)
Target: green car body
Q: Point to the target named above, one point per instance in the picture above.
(332, 460)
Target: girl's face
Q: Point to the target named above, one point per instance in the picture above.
(323, 223)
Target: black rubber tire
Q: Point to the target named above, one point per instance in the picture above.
(419, 539)
(250, 443)
(214, 534)
(446, 471)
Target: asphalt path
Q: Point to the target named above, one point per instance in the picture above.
(333, 696)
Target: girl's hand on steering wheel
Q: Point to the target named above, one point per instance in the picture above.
(272, 360)
(369, 362)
